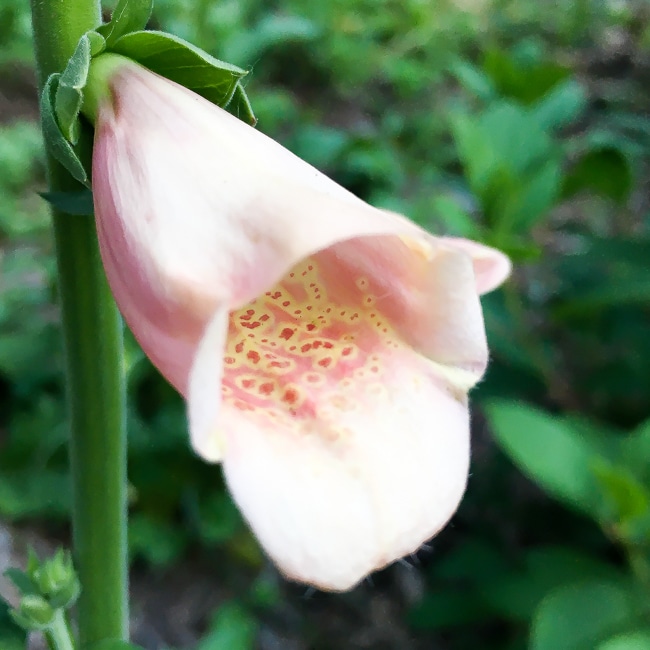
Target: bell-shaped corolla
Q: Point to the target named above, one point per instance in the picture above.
(325, 347)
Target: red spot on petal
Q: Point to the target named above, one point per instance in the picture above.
(328, 345)
(317, 344)
(251, 326)
(264, 317)
(239, 348)
(279, 364)
(248, 383)
(286, 303)
(266, 388)
(290, 396)
(310, 268)
(253, 356)
(230, 360)
(346, 352)
(325, 363)
(286, 333)
(306, 347)
(311, 327)
(276, 295)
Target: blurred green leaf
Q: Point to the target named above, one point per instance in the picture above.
(12, 637)
(158, 541)
(603, 171)
(630, 641)
(548, 450)
(560, 106)
(516, 595)
(578, 617)
(233, 628)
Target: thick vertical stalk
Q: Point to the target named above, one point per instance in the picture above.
(95, 385)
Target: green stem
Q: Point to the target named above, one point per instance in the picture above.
(58, 635)
(94, 373)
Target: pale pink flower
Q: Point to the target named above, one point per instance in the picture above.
(325, 347)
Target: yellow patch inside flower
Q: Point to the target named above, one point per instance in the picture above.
(299, 348)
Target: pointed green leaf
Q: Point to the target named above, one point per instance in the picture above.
(240, 105)
(182, 62)
(21, 581)
(129, 16)
(55, 141)
(78, 203)
(69, 93)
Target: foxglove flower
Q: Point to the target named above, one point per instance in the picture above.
(325, 347)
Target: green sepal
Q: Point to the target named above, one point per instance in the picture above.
(240, 105)
(69, 93)
(77, 203)
(97, 43)
(128, 16)
(182, 62)
(55, 140)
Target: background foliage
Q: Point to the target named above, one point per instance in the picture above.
(519, 125)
